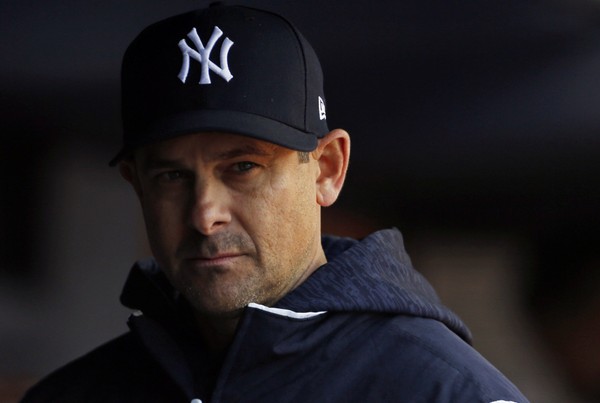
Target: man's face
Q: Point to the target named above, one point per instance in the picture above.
(231, 220)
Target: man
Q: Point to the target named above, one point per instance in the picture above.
(227, 146)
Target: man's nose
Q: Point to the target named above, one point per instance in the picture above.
(210, 208)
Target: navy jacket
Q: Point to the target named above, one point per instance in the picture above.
(365, 327)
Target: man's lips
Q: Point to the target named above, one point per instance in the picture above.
(214, 260)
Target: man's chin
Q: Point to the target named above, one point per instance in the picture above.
(223, 299)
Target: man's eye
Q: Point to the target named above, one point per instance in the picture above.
(171, 176)
(244, 166)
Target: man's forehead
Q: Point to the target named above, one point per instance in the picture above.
(218, 145)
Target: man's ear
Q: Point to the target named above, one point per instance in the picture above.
(128, 171)
(332, 155)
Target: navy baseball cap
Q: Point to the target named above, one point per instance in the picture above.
(222, 69)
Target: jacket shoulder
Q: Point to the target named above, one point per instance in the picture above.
(453, 368)
(106, 373)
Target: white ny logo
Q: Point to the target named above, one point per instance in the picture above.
(202, 55)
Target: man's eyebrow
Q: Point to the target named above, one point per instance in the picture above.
(157, 163)
(241, 151)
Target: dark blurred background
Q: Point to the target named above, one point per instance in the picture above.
(475, 130)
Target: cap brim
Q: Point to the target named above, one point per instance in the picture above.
(242, 123)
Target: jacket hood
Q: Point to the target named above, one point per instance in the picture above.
(373, 275)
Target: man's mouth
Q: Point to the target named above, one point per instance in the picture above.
(220, 259)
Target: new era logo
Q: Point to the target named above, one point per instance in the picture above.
(322, 114)
(202, 55)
